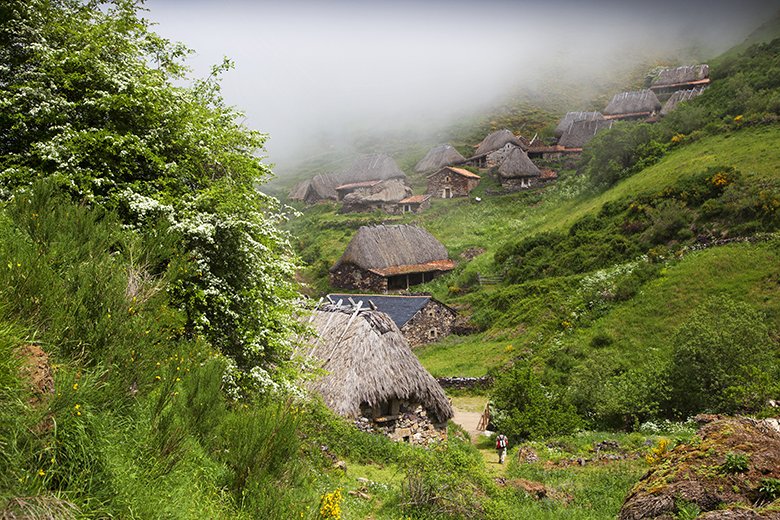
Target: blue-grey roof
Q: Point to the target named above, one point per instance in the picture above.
(401, 309)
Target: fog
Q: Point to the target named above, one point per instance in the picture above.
(316, 74)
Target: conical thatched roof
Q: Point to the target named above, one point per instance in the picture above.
(391, 190)
(679, 97)
(438, 157)
(368, 360)
(324, 186)
(299, 190)
(580, 132)
(636, 102)
(571, 117)
(382, 249)
(681, 75)
(517, 164)
(372, 167)
(496, 140)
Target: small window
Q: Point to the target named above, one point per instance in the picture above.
(432, 334)
(446, 178)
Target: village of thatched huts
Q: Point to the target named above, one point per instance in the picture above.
(421, 319)
(579, 133)
(373, 377)
(452, 182)
(382, 258)
(572, 117)
(439, 157)
(378, 195)
(413, 204)
(672, 79)
(518, 172)
(638, 104)
(678, 97)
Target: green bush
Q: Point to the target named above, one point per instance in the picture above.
(735, 463)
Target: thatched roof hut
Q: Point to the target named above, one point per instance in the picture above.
(299, 191)
(638, 103)
(438, 157)
(496, 140)
(681, 76)
(372, 167)
(580, 132)
(369, 363)
(517, 164)
(572, 117)
(679, 97)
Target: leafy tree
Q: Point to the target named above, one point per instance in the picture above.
(89, 104)
(723, 360)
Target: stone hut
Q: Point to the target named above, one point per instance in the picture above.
(452, 182)
(372, 376)
(517, 172)
(386, 258)
(413, 204)
(678, 97)
(580, 132)
(381, 195)
(345, 189)
(572, 117)
(421, 319)
(669, 80)
(494, 141)
(639, 104)
(439, 157)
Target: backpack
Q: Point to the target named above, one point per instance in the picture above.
(501, 442)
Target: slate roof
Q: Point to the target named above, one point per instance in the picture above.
(401, 309)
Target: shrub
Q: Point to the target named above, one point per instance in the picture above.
(735, 463)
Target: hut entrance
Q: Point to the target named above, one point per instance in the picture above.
(446, 193)
(404, 281)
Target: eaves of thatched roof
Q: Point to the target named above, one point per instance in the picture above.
(580, 132)
(355, 185)
(427, 267)
(572, 117)
(379, 248)
(367, 360)
(496, 140)
(437, 157)
(633, 103)
(414, 199)
(517, 164)
(680, 76)
(679, 97)
(456, 171)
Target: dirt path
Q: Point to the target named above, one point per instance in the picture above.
(468, 421)
(468, 411)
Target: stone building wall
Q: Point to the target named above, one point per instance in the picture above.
(414, 427)
(350, 276)
(459, 185)
(520, 183)
(431, 323)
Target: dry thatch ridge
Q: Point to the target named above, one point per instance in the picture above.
(681, 75)
(369, 361)
(571, 117)
(636, 102)
(372, 167)
(496, 140)
(437, 157)
(391, 190)
(380, 247)
(580, 132)
(679, 97)
(517, 164)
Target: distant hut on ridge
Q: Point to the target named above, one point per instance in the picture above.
(687, 77)
(679, 97)
(382, 258)
(438, 157)
(320, 187)
(639, 104)
(493, 141)
(372, 376)
(518, 171)
(580, 132)
(572, 117)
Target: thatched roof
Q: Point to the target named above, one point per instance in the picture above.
(391, 190)
(496, 140)
(415, 199)
(372, 167)
(571, 117)
(681, 76)
(438, 156)
(580, 132)
(368, 360)
(299, 190)
(636, 102)
(517, 164)
(679, 97)
(399, 249)
(324, 186)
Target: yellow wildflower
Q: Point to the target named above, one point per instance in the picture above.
(75, 386)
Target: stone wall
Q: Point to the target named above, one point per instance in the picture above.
(431, 323)
(414, 427)
(459, 185)
(463, 383)
(520, 183)
(349, 276)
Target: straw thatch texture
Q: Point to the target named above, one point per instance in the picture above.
(438, 157)
(372, 167)
(636, 102)
(572, 117)
(496, 140)
(580, 132)
(300, 190)
(679, 97)
(368, 361)
(324, 186)
(681, 75)
(517, 164)
(380, 247)
(391, 190)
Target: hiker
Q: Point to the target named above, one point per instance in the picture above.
(501, 445)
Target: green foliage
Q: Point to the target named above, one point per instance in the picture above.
(686, 510)
(735, 463)
(717, 353)
(770, 488)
